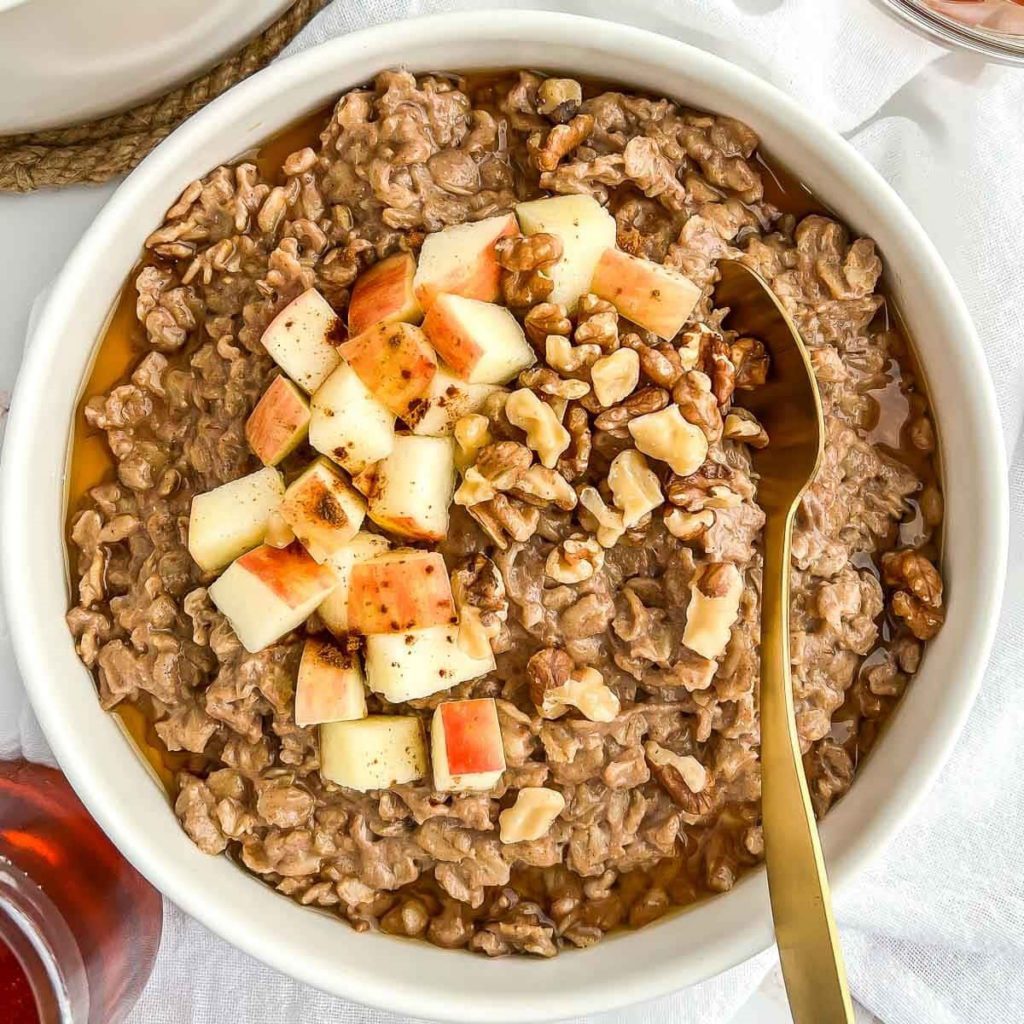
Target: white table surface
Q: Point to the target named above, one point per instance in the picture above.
(42, 228)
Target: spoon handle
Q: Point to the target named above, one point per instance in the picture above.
(812, 961)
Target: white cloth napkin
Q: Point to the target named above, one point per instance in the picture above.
(934, 931)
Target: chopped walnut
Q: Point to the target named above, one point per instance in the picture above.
(711, 487)
(540, 378)
(585, 690)
(575, 560)
(656, 364)
(634, 486)
(546, 670)
(751, 361)
(715, 592)
(665, 435)
(544, 434)
(609, 522)
(718, 365)
(475, 489)
(742, 425)
(597, 323)
(528, 252)
(532, 815)
(472, 433)
(503, 517)
(541, 486)
(638, 404)
(502, 463)
(523, 288)
(683, 777)
(690, 345)
(615, 376)
(689, 525)
(545, 319)
(474, 637)
(479, 583)
(559, 99)
(546, 152)
(575, 459)
(560, 354)
(918, 591)
(698, 405)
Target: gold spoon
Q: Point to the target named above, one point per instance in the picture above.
(789, 408)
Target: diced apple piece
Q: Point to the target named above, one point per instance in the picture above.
(229, 520)
(585, 228)
(302, 339)
(406, 666)
(481, 342)
(279, 423)
(385, 294)
(323, 509)
(362, 547)
(269, 592)
(373, 753)
(348, 424)
(460, 259)
(447, 399)
(465, 746)
(656, 298)
(413, 487)
(395, 361)
(398, 591)
(330, 686)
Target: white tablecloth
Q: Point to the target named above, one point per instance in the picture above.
(933, 931)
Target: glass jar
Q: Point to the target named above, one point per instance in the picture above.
(79, 927)
(992, 28)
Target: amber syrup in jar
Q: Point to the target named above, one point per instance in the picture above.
(79, 927)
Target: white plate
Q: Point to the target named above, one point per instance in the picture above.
(67, 61)
(415, 978)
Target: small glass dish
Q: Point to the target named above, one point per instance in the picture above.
(992, 28)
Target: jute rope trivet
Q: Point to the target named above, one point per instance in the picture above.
(113, 145)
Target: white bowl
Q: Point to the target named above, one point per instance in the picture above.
(416, 978)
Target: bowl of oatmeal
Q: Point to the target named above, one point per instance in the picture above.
(393, 574)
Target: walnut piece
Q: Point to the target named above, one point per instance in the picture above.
(502, 464)
(586, 691)
(634, 486)
(502, 518)
(531, 816)
(544, 319)
(615, 376)
(918, 591)
(559, 98)
(575, 560)
(751, 361)
(610, 526)
(597, 323)
(544, 434)
(540, 378)
(668, 769)
(576, 459)
(656, 364)
(666, 436)
(475, 489)
(638, 404)
(741, 425)
(472, 432)
(546, 152)
(560, 354)
(541, 486)
(528, 252)
(474, 636)
(691, 771)
(697, 404)
(546, 670)
(715, 592)
(689, 525)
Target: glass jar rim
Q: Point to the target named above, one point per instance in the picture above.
(993, 47)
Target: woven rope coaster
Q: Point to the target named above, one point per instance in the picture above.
(113, 145)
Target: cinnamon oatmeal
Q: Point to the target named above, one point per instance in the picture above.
(441, 404)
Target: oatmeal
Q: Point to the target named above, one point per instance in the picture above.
(427, 562)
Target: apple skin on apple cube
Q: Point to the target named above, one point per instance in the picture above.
(348, 424)
(323, 509)
(399, 591)
(229, 520)
(268, 592)
(373, 753)
(656, 298)
(460, 259)
(480, 341)
(412, 488)
(406, 666)
(330, 685)
(303, 338)
(384, 294)
(466, 748)
(395, 361)
(585, 228)
(279, 423)
(447, 399)
(362, 547)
